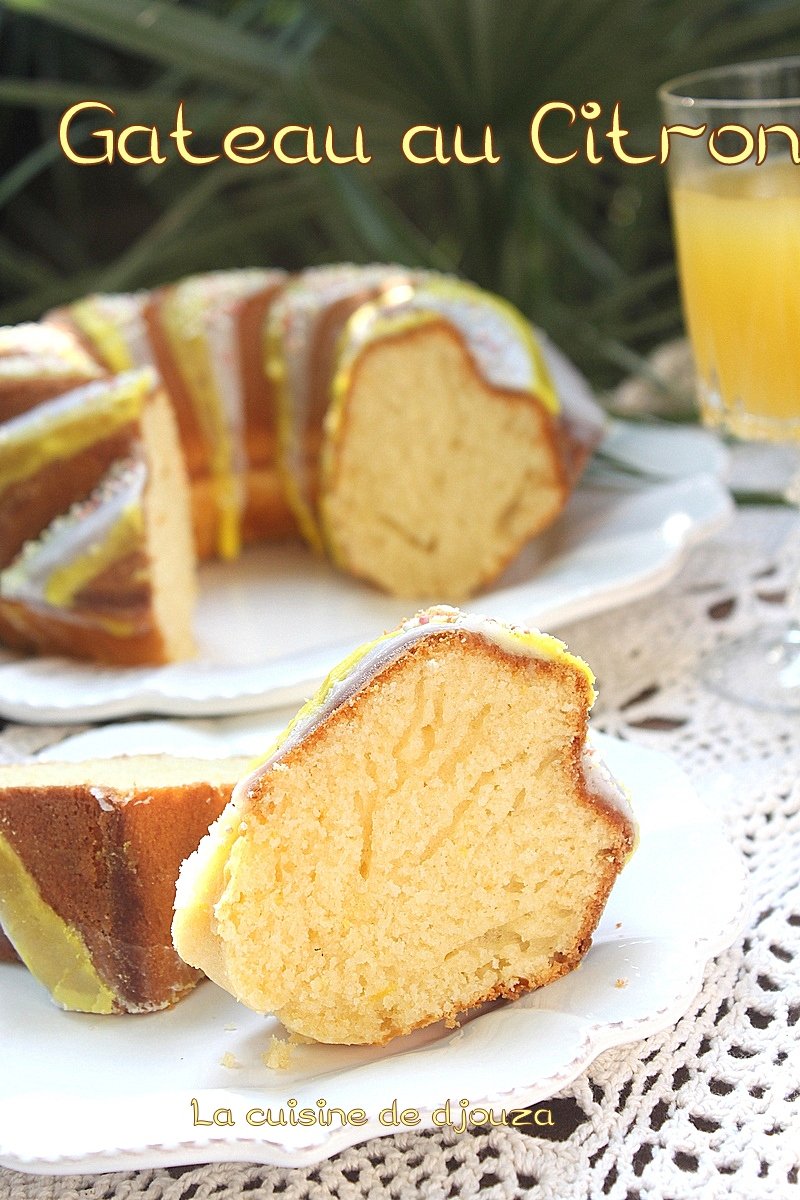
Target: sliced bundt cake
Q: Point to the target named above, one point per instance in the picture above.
(112, 576)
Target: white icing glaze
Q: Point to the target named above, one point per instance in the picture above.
(125, 311)
(208, 305)
(601, 783)
(101, 396)
(72, 535)
(510, 639)
(496, 343)
(223, 345)
(34, 366)
(31, 338)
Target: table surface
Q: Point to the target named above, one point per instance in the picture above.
(710, 1107)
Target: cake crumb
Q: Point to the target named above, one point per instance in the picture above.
(618, 925)
(621, 983)
(279, 1055)
(230, 1028)
(229, 1060)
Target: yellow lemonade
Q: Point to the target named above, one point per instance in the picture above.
(738, 236)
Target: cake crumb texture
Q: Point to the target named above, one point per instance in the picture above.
(433, 844)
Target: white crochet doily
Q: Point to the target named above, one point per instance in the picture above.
(708, 1109)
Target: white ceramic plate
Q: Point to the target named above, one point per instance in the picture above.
(271, 625)
(81, 1093)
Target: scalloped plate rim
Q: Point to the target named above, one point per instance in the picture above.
(213, 693)
(596, 1037)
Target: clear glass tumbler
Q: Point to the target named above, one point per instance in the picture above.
(735, 197)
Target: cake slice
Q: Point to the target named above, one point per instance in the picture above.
(110, 327)
(443, 450)
(430, 833)
(89, 855)
(38, 362)
(111, 578)
(194, 331)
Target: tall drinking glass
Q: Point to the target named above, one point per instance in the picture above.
(737, 228)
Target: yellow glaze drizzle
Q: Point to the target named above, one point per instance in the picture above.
(542, 384)
(102, 332)
(123, 538)
(181, 317)
(52, 951)
(32, 441)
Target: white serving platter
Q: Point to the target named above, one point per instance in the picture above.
(271, 625)
(83, 1093)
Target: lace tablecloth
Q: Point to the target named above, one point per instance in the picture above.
(710, 1108)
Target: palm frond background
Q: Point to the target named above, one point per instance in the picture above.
(584, 250)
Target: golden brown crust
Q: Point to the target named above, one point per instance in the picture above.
(25, 629)
(195, 448)
(29, 505)
(577, 441)
(18, 396)
(258, 393)
(107, 864)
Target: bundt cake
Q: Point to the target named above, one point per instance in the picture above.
(403, 421)
(89, 855)
(38, 362)
(430, 833)
(96, 551)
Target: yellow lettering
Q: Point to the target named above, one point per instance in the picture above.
(310, 155)
(691, 131)
(548, 1117)
(196, 1118)
(520, 1117)
(181, 135)
(536, 125)
(590, 110)
(243, 153)
(252, 1119)
(438, 145)
(64, 128)
(731, 159)
(488, 155)
(388, 1116)
(360, 155)
(791, 134)
(615, 136)
(137, 159)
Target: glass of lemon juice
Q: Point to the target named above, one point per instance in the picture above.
(735, 195)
